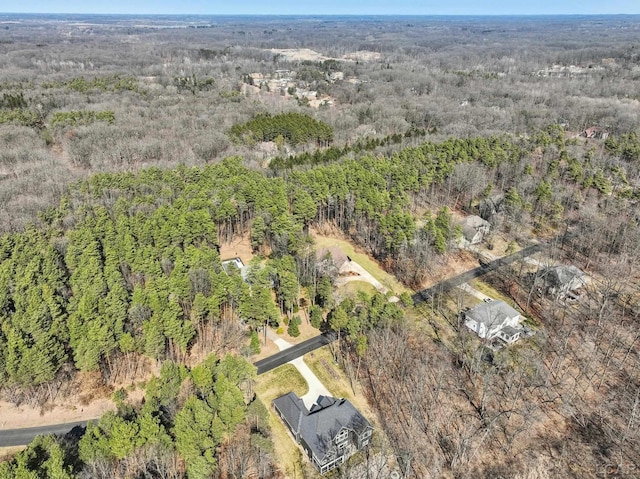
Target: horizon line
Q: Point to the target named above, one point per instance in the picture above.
(334, 14)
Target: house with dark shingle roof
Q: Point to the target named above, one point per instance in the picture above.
(331, 432)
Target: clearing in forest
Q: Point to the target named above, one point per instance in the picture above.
(238, 247)
(362, 258)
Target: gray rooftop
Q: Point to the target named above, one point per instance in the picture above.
(319, 426)
(563, 275)
(491, 312)
(510, 331)
(472, 224)
(337, 255)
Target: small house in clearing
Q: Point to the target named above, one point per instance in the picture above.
(474, 229)
(333, 257)
(560, 281)
(492, 319)
(231, 264)
(331, 432)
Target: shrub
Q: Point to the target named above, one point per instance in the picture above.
(293, 330)
(255, 343)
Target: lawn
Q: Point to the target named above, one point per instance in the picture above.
(270, 386)
(363, 259)
(490, 291)
(280, 381)
(352, 288)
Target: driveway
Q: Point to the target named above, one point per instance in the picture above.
(316, 388)
(362, 275)
(467, 288)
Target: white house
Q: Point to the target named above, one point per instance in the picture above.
(494, 319)
(235, 263)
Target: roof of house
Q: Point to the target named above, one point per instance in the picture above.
(510, 331)
(563, 275)
(471, 225)
(338, 256)
(474, 221)
(237, 263)
(491, 312)
(319, 426)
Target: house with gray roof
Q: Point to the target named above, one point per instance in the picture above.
(560, 281)
(492, 319)
(474, 229)
(330, 432)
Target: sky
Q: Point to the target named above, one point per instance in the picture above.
(326, 7)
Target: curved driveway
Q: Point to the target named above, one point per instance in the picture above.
(18, 437)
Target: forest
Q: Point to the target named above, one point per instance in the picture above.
(122, 176)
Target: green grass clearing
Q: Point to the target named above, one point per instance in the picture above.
(364, 260)
(268, 387)
(490, 291)
(280, 381)
(352, 288)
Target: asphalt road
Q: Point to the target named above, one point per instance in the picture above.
(449, 284)
(20, 437)
(294, 352)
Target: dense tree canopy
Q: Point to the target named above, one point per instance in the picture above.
(129, 265)
(186, 414)
(295, 128)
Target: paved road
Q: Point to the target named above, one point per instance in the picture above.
(20, 437)
(449, 284)
(294, 352)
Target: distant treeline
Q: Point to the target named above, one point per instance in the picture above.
(113, 83)
(334, 153)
